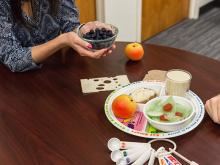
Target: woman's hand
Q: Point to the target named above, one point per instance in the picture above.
(213, 108)
(82, 47)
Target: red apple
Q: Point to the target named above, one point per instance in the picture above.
(124, 107)
(134, 51)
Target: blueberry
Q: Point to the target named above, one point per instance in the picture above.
(103, 29)
(91, 32)
(98, 34)
(97, 30)
(87, 35)
(104, 36)
(109, 33)
(93, 35)
(101, 32)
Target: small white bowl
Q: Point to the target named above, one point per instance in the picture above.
(174, 126)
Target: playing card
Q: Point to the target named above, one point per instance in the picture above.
(103, 83)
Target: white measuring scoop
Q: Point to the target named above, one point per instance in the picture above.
(144, 157)
(116, 144)
(130, 158)
(118, 154)
(152, 157)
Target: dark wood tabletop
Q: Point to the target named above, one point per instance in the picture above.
(45, 119)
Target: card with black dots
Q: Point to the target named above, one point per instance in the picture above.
(103, 83)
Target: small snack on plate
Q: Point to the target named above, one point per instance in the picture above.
(124, 107)
(143, 95)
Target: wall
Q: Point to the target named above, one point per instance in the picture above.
(124, 14)
(195, 6)
(87, 10)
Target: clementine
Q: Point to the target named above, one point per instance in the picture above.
(134, 51)
(124, 107)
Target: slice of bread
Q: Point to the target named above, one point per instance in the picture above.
(143, 95)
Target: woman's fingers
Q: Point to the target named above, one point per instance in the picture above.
(96, 54)
(100, 53)
(209, 110)
(74, 40)
(109, 51)
(82, 43)
(82, 47)
(218, 110)
(213, 108)
(113, 46)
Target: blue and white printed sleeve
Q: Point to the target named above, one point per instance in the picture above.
(12, 54)
(68, 16)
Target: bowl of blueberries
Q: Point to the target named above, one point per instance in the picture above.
(99, 35)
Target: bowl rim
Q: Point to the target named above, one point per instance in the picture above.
(173, 123)
(95, 41)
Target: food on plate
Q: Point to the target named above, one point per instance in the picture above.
(98, 34)
(168, 110)
(151, 129)
(124, 107)
(142, 95)
(134, 51)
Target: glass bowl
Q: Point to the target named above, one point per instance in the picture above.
(170, 126)
(100, 41)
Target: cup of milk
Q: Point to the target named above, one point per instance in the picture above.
(177, 82)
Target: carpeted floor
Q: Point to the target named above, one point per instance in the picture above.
(201, 36)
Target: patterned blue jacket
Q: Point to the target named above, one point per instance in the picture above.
(16, 40)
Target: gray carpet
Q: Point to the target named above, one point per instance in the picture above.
(200, 36)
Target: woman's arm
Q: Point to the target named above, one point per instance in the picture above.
(41, 52)
(68, 18)
(20, 59)
(12, 54)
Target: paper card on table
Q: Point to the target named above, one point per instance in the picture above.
(168, 159)
(103, 83)
(155, 75)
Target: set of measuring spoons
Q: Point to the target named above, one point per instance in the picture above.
(134, 153)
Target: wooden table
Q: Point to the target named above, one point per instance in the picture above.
(46, 120)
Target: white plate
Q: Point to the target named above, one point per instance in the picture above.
(137, 126)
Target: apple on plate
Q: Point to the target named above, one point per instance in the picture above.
(124, 107)
(134, 51)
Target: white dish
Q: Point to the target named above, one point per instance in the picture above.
(141, 132)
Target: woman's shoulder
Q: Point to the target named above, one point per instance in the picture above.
(5, 9)
(5, 5)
